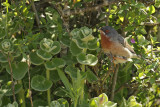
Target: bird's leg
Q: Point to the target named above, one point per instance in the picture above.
(112, 61)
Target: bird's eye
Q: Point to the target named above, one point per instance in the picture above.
(107, 31)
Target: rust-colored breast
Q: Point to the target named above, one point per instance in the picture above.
(105, 42)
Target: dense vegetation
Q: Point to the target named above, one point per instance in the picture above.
(50, 53)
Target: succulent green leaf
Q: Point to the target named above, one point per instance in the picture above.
(75, 33)
(87, 59)
(132, 102)
(19, 70)
(86, 31)
(71, 71)
(110, 104)
(3, 58)
(102, 101)
(80, 43)
(75, 50)
(70, 59)
(15, 104)
(55, 104)
(56, 62)
(47, 45)
(35, 59)
(7, 88)
(65, 40)
(44, 55)
(57, 49)
(92, 45)
(39, 83)
(87, 38)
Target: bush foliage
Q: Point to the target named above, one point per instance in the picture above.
(50, 53)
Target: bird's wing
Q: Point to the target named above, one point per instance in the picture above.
(125, 43)
(129, 47)
(121, 40)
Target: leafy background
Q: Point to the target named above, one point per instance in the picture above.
(50, 53)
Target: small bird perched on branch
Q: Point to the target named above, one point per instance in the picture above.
(114, 44)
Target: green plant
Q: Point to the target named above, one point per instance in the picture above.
(50, 53)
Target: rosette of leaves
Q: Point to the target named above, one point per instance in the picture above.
(131, 102)
(6, 46)
(84, 39)
(48, 48)
(102, 101)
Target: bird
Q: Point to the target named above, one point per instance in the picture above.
(114, 44)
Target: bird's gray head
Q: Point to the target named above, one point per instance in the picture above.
(109, 31)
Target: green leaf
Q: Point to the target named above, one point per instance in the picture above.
(65, 40)
(57, 49)
(19, 70)
(151, 9)
(75, 50)
(70, 59)
(64, 80)
(39, 83)
(121, 18)
(87, 38)
(44, 55)
(71, 71)
(110, 104)
(86, 32)
(80, 43)
(55, 104)
(87, 59)
(157, 3)
(7, 88)
(3, 58)
(152, 80)
(47, 45)
(92, 45)
(38, 103)
(61, 92)
(15, 104)
(91, 77)
(141, 40)
(63, 102)
(35, 59)
(56, 62)
(102, 101)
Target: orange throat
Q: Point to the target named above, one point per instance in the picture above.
(105, 42)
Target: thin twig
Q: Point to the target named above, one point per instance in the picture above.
(29, 78)
(114, 83)
(13, 87)
(35, 11)
(60, 12)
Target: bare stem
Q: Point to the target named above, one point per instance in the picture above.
(13, 88)
(29, 78)
(35, 11)
(114, 83)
